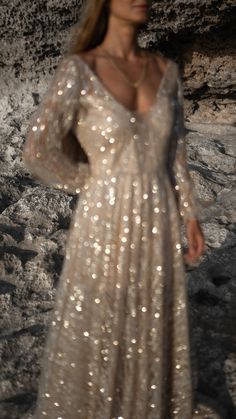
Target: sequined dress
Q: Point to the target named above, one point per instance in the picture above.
(118, 340)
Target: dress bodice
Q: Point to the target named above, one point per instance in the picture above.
(114, 139)
(120, 140)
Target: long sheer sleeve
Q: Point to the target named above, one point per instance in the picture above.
(45, 153)
(189, 206)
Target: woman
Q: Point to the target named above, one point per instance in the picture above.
(110, 128)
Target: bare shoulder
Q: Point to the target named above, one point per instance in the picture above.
(88, 57)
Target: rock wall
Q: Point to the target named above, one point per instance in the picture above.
(34, 219)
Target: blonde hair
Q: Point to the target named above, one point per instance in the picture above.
(91, 28)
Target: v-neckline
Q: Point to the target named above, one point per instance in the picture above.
(120, 104)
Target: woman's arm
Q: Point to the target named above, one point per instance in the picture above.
(189, 205)
(50, 137)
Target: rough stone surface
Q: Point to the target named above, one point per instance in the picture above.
(34, 219)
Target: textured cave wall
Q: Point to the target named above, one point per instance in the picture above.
(200, 35)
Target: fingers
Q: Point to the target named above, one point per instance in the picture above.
(196, 244)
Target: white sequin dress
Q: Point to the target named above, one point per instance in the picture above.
(118, 342)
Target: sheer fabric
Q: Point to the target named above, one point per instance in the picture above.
(118, 340)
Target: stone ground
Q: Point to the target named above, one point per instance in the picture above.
(34, 219)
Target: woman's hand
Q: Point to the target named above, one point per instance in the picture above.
(196, 241)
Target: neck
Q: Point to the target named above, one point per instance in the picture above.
(121, 39)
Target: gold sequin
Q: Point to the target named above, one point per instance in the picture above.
(123, 266)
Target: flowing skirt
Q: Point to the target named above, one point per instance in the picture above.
(118, 342)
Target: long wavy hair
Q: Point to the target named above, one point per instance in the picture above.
(91, 27)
